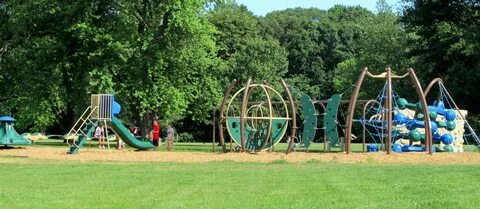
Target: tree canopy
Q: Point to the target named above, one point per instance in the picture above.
(174, 58)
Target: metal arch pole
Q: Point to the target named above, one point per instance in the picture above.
(430, 85)
(294, 117)
(423, 101)
(364, 128)
(222, 109)
(242, 113)
(351, 108)
(389, 105)
(270, 112)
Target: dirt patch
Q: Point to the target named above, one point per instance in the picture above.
(94, 155)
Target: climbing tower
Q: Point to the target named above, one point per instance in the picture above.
(102, 108)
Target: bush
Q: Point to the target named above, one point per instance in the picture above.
(185, 137)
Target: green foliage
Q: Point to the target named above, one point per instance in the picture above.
(381, 43)
(316, 41)
(447, 44)
(185, 137)
(173, 59)
(245, 52)
(158, 57)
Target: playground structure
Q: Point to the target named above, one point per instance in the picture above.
(8, 134)
(409, 126)
(103, 109)
(388, 108)
(256, 125)
(452, 119)
(266, 121)
(390, 120)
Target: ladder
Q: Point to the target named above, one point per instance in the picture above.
(79, 125)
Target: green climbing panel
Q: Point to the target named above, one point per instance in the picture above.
(255, 139)
(330, 121)
(310, 120)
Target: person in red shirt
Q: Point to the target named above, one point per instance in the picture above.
(156, 133)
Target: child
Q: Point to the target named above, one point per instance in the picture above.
(156, 134)
(170, 133)
(99, 136)
(120, 144)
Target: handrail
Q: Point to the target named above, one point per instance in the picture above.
(84, 118)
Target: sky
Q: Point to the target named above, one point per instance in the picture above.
(262, 7)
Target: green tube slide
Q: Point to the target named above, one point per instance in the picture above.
(126, 136)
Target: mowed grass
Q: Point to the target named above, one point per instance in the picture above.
(313, 184)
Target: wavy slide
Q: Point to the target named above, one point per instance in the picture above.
(126, 136)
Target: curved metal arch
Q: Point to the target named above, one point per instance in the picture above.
(294, 116)
(351, 108)
(430, 85)
(258, 85)
(243, 116)
(242, 113)
(423, 101)
(420, 94)
(222, 109)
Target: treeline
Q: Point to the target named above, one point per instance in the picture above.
(174, 58)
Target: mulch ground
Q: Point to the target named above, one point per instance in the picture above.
(58, 154)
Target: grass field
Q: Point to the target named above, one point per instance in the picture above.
(31, 182)
(312, 184)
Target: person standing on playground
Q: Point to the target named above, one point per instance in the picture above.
(156, 133)
(99, 135)
(170, 133)
(120, 144)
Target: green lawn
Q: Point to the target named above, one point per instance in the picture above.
(50, 184)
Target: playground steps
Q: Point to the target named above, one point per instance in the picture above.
(82, 138)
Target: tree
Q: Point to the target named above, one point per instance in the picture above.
(316, 41)
(446, 44)
(381, 43)
(157, 56)
(244, 51)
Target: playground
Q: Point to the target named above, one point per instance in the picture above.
(266, 172)
(257, 118)
(239, 104)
